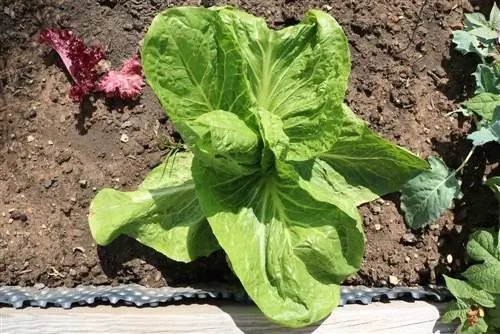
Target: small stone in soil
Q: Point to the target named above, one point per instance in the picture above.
(50, 183)
(377, 227)
(72, 272)
(449, 258)
(407, 259)
(409, 238)
(83, 270)
(29, 114)
(376, 209)
(38, 286)
(30, 138)
(63, 156)
(124, 138)
(83, 183)
(433, 227)
(393, 280)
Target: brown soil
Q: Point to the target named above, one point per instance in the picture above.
(55, 155)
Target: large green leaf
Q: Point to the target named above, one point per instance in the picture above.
(224, 141)
(483, 246)
(371, 165)
(192, 67)
(486, 79)
(468, 293)
(425, 197)
(163, 213)
(289, 250)
(223, 59)
(483, 105)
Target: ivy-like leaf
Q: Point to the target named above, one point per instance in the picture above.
(483, 105)
(469, 294)
(425, 197)
(479, 35)
(490, 131)
(486, 79)
(483, 247)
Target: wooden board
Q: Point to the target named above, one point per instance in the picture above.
(388, 318)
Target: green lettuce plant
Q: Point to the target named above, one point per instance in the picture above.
(276, 163)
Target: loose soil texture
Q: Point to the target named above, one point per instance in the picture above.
(55, 155)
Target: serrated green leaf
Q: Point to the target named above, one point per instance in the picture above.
(483, 247)
(425, 197)
(483, 105)
(469, 294)
(490, 131)
(163, 213)
(455, 311)
(495, 16)
(475, 19)
(486, 79)
(485, 33)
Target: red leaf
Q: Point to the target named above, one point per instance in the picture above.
(126, 83)
(80, 61)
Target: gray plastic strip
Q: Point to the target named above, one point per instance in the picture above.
(131, 294)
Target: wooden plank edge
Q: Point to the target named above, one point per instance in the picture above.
(418, 317)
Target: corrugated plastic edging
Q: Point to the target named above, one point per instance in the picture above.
(133, 294)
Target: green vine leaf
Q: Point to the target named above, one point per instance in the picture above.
(426, 196)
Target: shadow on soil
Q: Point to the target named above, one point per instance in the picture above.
(114, 257)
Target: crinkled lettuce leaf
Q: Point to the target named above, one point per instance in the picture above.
(280, 163)
(164, 213)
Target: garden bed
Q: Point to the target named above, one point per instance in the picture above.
(56, 155)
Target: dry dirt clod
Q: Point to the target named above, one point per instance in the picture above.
(124, 138)
(63, 156)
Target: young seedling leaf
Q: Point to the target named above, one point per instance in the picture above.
(486, 79)
(426, 196)
(495, 16)
(483, 105)
(490, 131)
(163, 213)
(483, 247)
(479, 35)
(455, 310)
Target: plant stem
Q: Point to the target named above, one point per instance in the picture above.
(467, 158)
